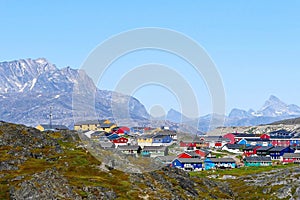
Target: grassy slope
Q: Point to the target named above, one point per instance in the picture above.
(238, 185)
(81, 169)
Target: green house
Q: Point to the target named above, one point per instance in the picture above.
(154, 151)
(257, 161)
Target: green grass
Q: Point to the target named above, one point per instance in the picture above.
(219, 155)
(4, 190)
(225, 152)
(240, 171)
(80, 168)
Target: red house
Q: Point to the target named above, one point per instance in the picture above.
(280, 142)
(123, 130)
(218, 144)
(189, 154)
(249, 151)
(120, 141)
(184, 155)
(291, 158)
(265, 137)
(199, 153)
(202, 153)
(191, 142)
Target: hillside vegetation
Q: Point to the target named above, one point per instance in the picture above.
(55, 165)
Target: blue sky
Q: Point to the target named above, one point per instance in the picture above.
(254, 44)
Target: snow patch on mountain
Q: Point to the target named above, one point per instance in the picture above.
(33, 83)
(30, 86)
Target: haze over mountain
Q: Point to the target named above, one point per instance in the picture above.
(272, 110)
(29, 87)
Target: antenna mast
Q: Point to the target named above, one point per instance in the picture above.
(50, 117)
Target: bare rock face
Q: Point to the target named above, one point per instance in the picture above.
(46, 185)
(8, 165)
(281, 183)
(50, 184)
(28, 87)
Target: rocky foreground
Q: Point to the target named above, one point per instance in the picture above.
(48, 165)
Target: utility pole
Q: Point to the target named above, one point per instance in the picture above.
(50, 117)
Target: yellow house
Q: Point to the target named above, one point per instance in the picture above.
(145, 140)
(95, 125)
(53, 127)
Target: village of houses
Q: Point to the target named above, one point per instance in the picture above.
(195, 152)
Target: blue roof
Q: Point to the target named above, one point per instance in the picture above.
(278, 148)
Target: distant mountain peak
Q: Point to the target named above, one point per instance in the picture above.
(275, 107)
(273, 102)
(238, 113)
(274, 99)
(176, 116)
(173, 111)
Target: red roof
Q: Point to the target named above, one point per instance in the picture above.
(218, 144)
(184, 155)
(201, 153)
(120, 140)
(264, 136)
(123, 129)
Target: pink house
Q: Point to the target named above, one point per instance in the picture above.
(231, 137)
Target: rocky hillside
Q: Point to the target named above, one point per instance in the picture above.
(254, 129)
(293, 121)
(288, 124)
(48, 165)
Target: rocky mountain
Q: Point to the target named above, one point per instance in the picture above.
(29, 87)
(272, 110)
(239, 114)
(177, 117)
(274, 107)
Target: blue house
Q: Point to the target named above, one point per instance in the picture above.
(276, 153)
(244, 142)
(139, 130)
(162, 139)
(188, 164)
(254, 142)
(222, 163)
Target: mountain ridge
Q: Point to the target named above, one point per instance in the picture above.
(29, 87)
(272, 110)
